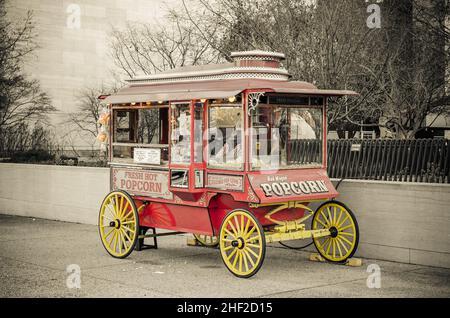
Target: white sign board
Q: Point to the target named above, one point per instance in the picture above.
(147, 155)
(153, 184)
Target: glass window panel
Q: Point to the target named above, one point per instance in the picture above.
(225, 137)
(181, 134)
(137, 128)
(198, 132)
(179, 178)
(283, 136)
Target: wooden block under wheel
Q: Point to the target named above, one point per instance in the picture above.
(191, 241)
(354, 262)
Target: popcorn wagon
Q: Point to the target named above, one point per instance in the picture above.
(234, 153)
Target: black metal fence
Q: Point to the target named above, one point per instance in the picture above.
(420, 160)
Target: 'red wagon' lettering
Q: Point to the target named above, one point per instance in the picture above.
(286, 189)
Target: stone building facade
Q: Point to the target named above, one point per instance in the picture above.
(74, 46)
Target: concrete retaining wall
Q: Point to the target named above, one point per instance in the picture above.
(404, 222)
(61, 193)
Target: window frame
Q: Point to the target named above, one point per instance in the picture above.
(317, 165)
(223, 167)
(134, 108)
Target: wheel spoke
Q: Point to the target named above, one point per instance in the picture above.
(329, 216)
(128, 229)
(107, 234)
(236, 258)
(231, 254)
(249, 256)
(238, 227)
(126, 235)
(334, 215)
(343, 221)
(322, 245)
(346, 233)
(121, 243)
(338, 246)
(117, 241)
(229, 247)
(240, 261)
(233, 229)
(113, 215)
(253, 252)
(111, 240)
(339, 241)
(325, 218)
(346, 240)
(346, 227)
(244, 233)
(339, 218)
(323, 224)
(250, 232)
(116, 207)
(120, 206)
(328, 248)
(127, 205)
(229, 233)
(253, 245)
(244, 256)
(334, 248)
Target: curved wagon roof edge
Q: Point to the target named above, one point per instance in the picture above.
(215, 90)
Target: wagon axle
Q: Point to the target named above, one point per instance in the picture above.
(239, 243)
(115, 224)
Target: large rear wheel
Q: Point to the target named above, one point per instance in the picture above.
(118, 224)
(342, 242)
(242, 243)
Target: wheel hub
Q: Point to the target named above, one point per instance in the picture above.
(239, 243)
(115, 223)
(333, 231)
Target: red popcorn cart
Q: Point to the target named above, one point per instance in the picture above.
(233, 153)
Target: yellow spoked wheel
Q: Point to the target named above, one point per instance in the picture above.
(205, 240)
(342, 224)
(242, 243)
(118, 224)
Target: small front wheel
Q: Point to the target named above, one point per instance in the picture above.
(342, 242)
(208, 241)
(242, 243)
(118, 224)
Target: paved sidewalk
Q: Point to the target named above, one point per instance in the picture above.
(35, 253)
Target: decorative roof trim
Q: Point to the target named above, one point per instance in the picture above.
(226, 73)
(258, 53)
(262, 76)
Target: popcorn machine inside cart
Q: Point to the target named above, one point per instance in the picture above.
(233, 153)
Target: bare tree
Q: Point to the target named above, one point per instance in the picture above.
(398, 70)
(21, 99)
(150, 48)
(323, 43)
(85, 121)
